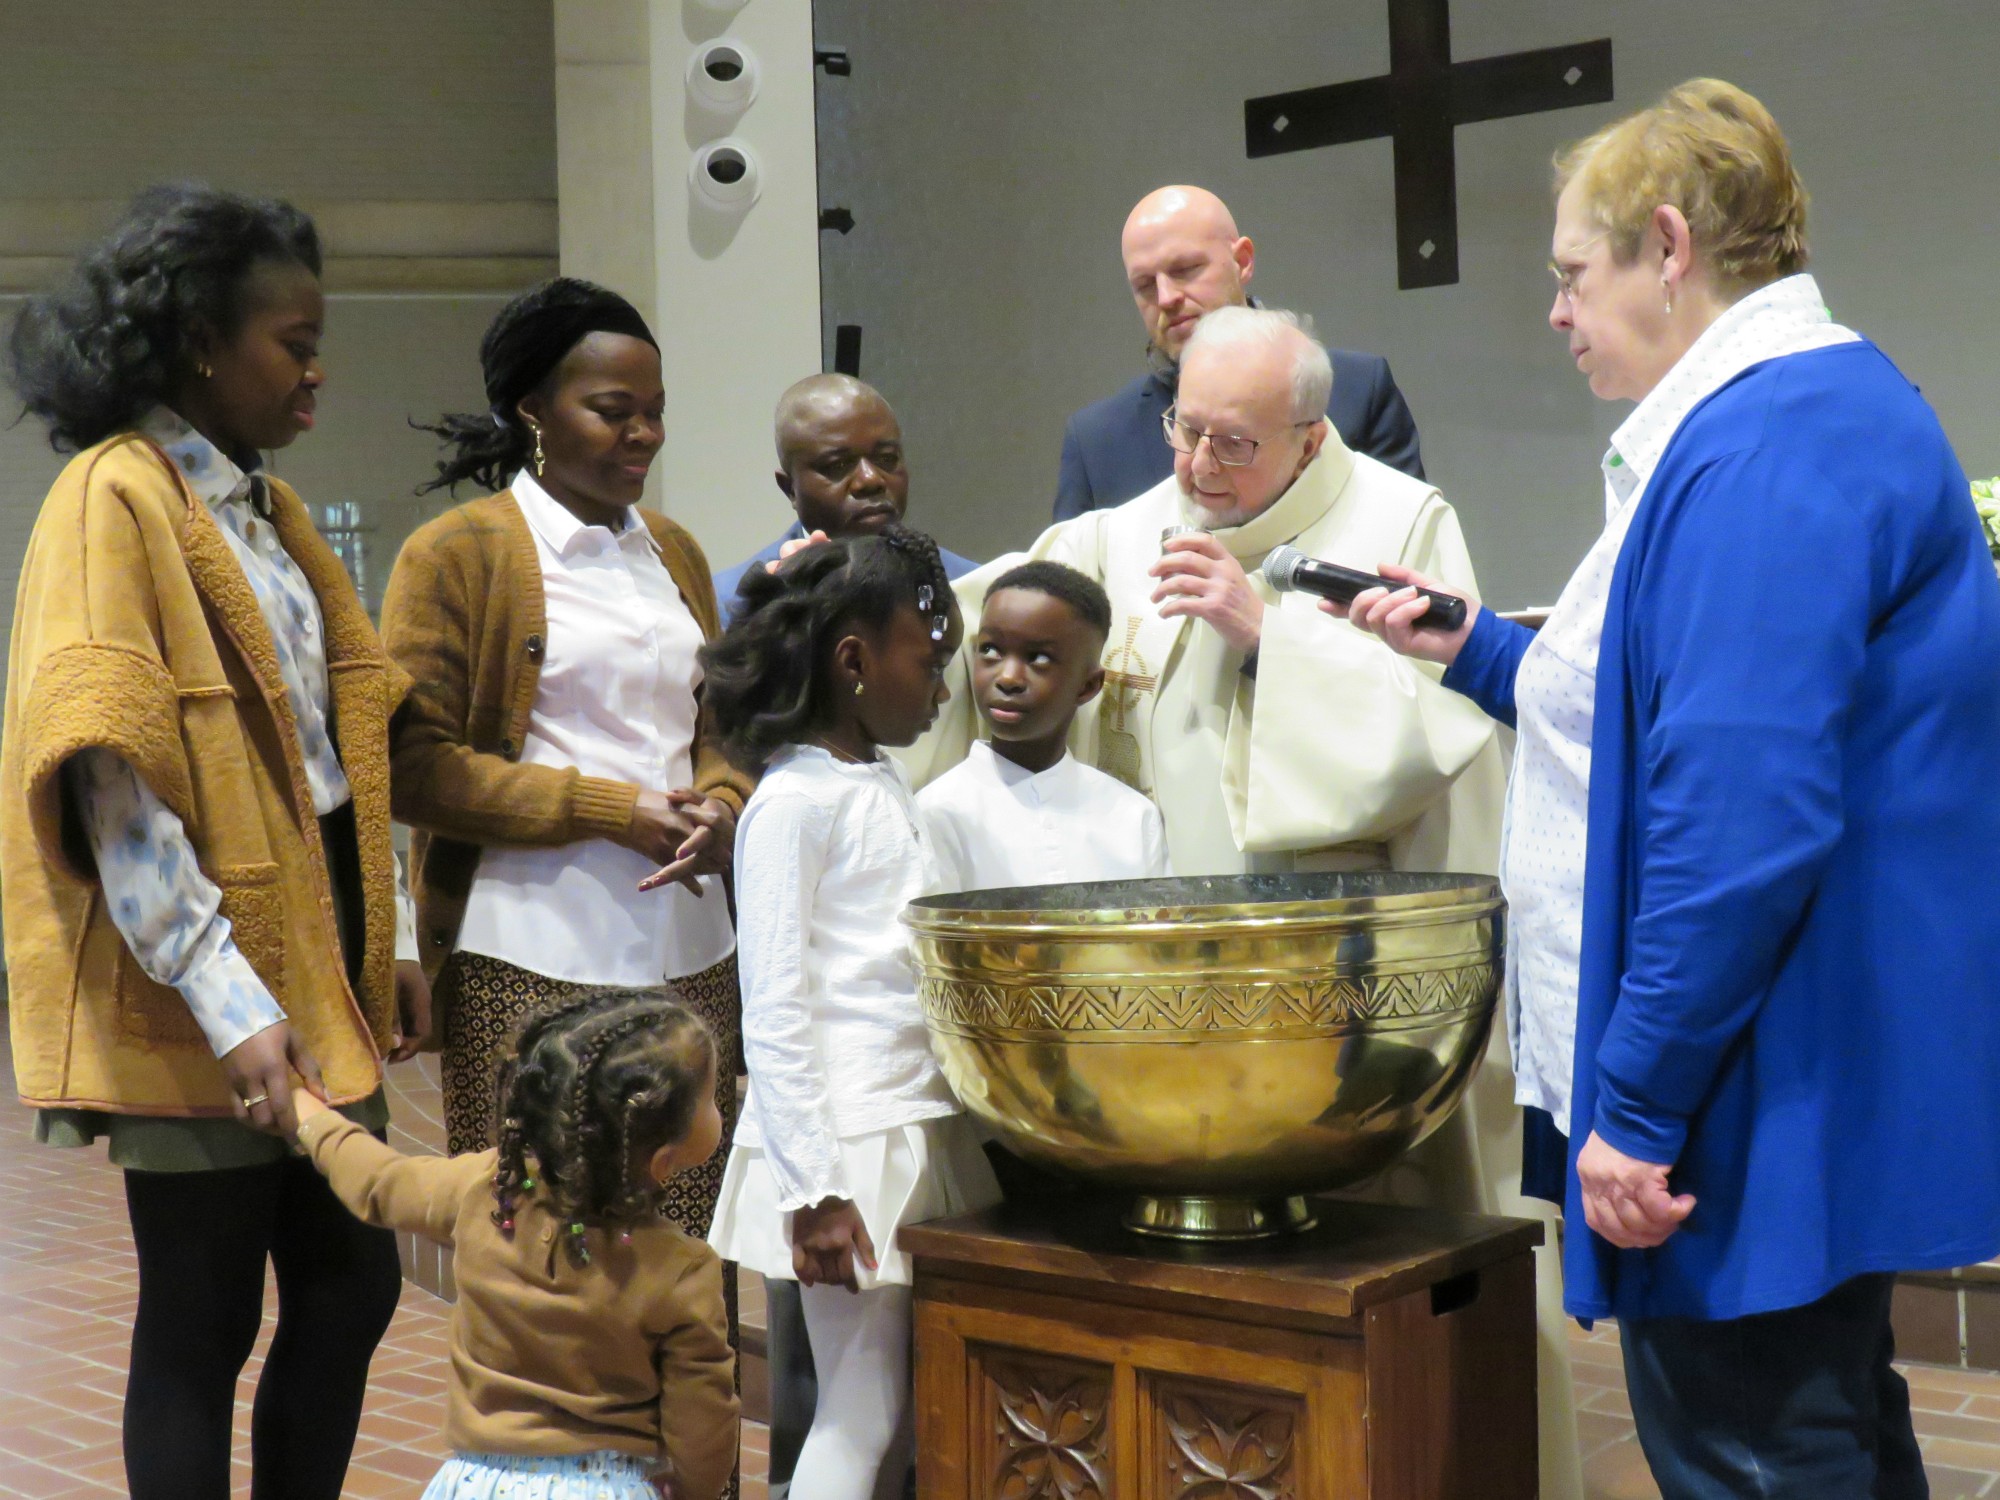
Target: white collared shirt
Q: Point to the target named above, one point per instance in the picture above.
(996, 824)
(615, 699)
(1542, 843)
(828, 854)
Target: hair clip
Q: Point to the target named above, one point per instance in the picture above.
(926, 602)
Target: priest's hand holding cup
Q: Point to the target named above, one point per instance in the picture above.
(1393, 615)
(1628, 1201)
(259, 1070)
(828, 1241)
(1200, 578)
(708, 847)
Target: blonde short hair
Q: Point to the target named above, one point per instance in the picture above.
(1273, 327)
(1714, 152)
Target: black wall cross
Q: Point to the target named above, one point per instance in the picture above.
(1418, 103)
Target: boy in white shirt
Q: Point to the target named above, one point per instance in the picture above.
(1021, 810)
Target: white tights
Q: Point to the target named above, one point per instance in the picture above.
(860, 1443)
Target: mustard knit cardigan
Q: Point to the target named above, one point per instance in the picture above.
(464, 615)
(136, 630)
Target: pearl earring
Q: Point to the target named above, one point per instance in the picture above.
(1670, 295)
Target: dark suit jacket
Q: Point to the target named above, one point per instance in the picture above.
(1114, 449)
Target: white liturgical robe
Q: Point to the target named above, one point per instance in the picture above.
(1336, 754)
(994, 824)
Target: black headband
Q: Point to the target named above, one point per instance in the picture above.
(519, 352)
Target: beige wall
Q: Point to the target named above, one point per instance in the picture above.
(989, 154)
(422, 136)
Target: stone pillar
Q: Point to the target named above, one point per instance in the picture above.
(731, 288)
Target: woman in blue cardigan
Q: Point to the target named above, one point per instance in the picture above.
(1755, 975)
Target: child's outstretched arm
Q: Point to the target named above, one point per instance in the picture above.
(379, 1184)
(699, 1414)
(784, 846)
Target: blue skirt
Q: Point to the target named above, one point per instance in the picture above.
(580, 1476)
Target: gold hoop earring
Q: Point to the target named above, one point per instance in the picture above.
(540, 461)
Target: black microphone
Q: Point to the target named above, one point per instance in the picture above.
(1287, 569)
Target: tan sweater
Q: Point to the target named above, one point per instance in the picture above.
(136, 630)
(464, 615)
(629, 1354)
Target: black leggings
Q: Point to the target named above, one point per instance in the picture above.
(203, 1238)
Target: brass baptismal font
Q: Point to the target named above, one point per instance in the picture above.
(1216, 1047)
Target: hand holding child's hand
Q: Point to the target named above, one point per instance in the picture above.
(827, 1241)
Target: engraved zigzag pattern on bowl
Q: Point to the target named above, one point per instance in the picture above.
(1377, 1002)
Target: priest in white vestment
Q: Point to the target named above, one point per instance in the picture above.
(1276, 739)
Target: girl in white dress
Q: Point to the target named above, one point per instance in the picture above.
(849, 1130)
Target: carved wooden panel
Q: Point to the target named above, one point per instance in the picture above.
(1216, 1442)
(1046, 1425)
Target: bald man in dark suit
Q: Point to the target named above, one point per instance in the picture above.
(1184, 257)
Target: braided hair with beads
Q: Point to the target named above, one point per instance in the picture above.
(765, 681)
(597, 1085)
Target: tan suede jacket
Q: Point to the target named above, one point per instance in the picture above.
(464, 616)
(135, 630)
(628, 1354)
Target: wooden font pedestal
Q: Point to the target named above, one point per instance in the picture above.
(1389, 1353)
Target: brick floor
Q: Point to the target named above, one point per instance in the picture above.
(67, 1288)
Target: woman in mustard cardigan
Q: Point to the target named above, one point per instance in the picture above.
(194, 830)
(554, 754)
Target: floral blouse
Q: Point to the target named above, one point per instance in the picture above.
(166, 909)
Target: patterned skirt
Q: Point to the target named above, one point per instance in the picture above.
(586, 1476)
(485, 1001)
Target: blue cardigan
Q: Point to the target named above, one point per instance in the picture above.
(1791, 950)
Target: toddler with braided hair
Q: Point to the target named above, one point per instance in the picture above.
(849, 1130)
(589, 1347)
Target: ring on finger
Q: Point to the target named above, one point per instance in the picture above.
(251, 1101)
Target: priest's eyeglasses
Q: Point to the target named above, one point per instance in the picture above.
(1230, 450)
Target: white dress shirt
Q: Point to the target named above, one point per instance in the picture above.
(828, 854)
(1542, 843)
(616, 699)
(995, 824)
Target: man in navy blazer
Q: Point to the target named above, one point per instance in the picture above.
(1183, 257)
(840, 457)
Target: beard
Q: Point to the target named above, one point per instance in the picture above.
(1194, 513)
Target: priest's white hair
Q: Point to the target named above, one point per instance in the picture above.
(1273, 327)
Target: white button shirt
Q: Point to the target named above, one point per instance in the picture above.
(1548, 797)
(615, 700)
(995, 824)
(828, 854)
